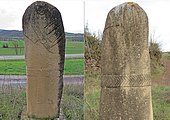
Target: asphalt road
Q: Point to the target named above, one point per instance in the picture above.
(23, 57)
(20, 81)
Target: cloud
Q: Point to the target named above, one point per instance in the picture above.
(13, 10)
(157, 11)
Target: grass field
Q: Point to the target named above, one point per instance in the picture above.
(12, 103)
(92, 96)
(72, 47)
(73, 102)
(14, 100)
(161, 102)
(17, 67)
(160, 99)
(11, 43)
(166, 55)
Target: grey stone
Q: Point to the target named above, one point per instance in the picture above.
(44, 38)
(125, 78)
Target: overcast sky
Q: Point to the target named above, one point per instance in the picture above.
(96, 11)
(157, 11)
(11, 12)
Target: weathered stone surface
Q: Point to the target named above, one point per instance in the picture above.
(25, 117)
(44, 52)
(125, 79)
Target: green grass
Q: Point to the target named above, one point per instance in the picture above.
(72, 47)
(92, 96)
(166, 54)
(11, 51)
(12, 67)
(160, 99)
(10, 43)
(18, 67)
(161, 102)
(73, 102)
(12, 102)
(74, 67)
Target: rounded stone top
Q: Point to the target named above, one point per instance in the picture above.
(128, 6)
(130, 2)
(125, 41)
(42, 23)
(123, 12)
(40, 8)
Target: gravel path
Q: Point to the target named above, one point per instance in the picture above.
(165, 80)
(166, 77)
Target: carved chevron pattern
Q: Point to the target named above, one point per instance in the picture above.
(125, 80)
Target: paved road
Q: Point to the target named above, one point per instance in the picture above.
(21, 80)
(22, 56)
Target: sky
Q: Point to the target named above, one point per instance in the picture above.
(11, 12)
(157, 10)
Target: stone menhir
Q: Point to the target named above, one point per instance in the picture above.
(125, 65)
(44, 53)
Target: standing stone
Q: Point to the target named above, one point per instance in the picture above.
(125, 79)
(44, 52)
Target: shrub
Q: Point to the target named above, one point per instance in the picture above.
(92, 50)
(5, 46)
(155, 55)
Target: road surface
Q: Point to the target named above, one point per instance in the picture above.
(20, 81)
(23, 57)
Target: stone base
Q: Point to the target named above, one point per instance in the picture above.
(25, 117)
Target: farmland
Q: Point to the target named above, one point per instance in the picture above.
(7, 47)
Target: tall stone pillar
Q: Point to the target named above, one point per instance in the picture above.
(44, 52)
(125, 79)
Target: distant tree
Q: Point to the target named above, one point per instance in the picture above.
(16, 46)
